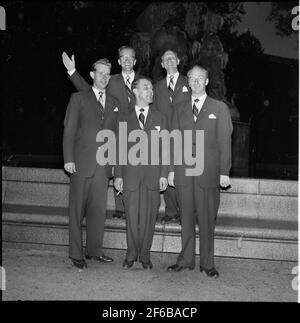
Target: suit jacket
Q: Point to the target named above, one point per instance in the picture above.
(214, 118)
(82, 122)
(133, 174)
(162, 96)
(116, 87)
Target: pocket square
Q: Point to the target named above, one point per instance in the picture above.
(212, 116)
(184, 89)
(157, 128)
(116, 109)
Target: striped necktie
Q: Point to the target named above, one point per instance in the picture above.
(128, 88)
(101, 101)
(142, 117)
(195, 110)
(171, 87)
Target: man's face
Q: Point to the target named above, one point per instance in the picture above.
(170, 62)
(144, 92)
(101, 76)
(197, 81)
(127, 60)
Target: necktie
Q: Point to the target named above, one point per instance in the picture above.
(195, 109)
(101, 101)
(171, 84)
(128, 87)
(142, 117)
(170, 87)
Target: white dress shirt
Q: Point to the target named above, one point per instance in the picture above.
(175, 78)
(145, 112)
(200, 103)
(131, 77)
(96, 91)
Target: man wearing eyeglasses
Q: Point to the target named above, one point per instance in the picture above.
(169, 91)
(119, 86)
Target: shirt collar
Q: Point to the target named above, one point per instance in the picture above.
(174, 78)
(146, 109)
(131, 77)
(201, 99)
(96, 91)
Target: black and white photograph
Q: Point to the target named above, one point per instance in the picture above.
(149, 154)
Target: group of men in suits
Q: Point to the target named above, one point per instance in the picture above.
(176, 102)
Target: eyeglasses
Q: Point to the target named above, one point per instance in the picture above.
(128, 58)
(170, 58)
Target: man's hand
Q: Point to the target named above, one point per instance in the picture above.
(163, 183)
(224, 181)
(70, 168)
(118, 184)
(68, 62)
(171, 179)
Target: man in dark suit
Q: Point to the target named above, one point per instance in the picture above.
(119, 86)
(141, 183)
(88, 112)
(168, 92)
(201, 192)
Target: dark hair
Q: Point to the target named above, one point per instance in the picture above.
(125, 47)
(103, 61)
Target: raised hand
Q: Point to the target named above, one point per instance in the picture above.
(68, 62)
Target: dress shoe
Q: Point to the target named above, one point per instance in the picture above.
(128, 264)
(166, 219)
(79, 263)
(176, 268)
(147, 265)
(210, 272)
(119, 215)
(100, 258)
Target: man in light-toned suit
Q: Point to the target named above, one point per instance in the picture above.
(201, 192)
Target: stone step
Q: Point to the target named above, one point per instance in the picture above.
(257, 218)
(237, 203)
(247, 238)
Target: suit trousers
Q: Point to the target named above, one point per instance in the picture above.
(172, 208)
(88, 197)
(141, 209)
(205, 201)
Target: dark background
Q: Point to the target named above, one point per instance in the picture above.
(35, 87)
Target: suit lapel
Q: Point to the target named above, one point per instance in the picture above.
(203, 112)
(108, 105)
(133, 119)
(149, 120)
(121, 86)
(94, 103)
(179, 84)
(188, 111)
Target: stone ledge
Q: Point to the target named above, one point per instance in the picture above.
(239, 185)
(53, 237)
(231, 227)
